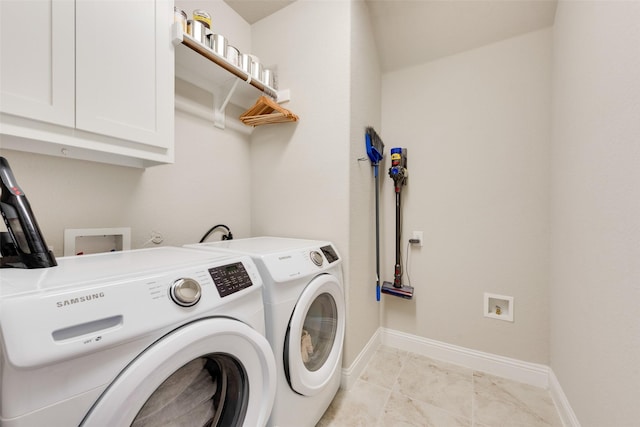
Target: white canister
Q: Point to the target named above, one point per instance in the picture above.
(256, 70)
(232, 55)
(197, 30)
(268, 78)
(218, 44)
(180, 16)
(244, 62)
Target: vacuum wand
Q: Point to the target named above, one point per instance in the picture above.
(397, 275)
(398, 172)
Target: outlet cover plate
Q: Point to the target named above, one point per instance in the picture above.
(417, 235)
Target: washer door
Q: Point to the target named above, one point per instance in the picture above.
(313, 344)
(214, 371)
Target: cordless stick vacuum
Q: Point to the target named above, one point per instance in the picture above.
(398, 172)
(375, 150)
(23, 246)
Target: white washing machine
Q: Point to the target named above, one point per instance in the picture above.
(305, 321)
(164, 336)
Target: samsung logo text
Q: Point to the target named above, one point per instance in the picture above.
(78, 300)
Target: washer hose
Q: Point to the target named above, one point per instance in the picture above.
(227, 236)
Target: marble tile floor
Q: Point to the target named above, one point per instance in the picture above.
(401, 389)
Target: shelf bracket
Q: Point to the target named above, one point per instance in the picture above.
(219, 110)
(283, 96)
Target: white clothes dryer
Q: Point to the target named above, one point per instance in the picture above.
(305, 320)
(163, 336)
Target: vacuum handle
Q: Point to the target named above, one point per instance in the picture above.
(21, 222)
(9, 182)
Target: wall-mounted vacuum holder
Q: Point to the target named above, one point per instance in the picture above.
(23, 245)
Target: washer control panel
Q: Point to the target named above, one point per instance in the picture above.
(230, 278)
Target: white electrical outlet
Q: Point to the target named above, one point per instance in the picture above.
(417, 235)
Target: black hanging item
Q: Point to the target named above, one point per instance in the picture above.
(227, 236)
(23, 245)
(398, 172)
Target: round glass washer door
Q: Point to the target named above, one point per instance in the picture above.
(313, 346)
(217, 371)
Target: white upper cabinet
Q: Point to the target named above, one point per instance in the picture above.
(37, 48)
(122, 70)
(88, 79)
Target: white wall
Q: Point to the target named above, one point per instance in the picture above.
(300, 170)
(476, 126)
(307, 181)
(181, 201)
(595, 281)
(363, 312)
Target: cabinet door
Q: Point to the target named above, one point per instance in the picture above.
(124, 70)
(37, 67)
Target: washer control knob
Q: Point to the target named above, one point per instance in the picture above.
(185, 292)
(316, 257)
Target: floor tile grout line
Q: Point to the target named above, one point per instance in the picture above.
(403, 360)
(473, 399)
(384, 408)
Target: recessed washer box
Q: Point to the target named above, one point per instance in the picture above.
(498, 306)
(84, 241)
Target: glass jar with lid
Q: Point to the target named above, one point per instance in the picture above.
(180, 16)
(202, 16)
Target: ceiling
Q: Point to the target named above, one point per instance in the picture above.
(254, 10)
(412, 32)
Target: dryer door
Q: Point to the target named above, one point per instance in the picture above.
(214, 371)
(313, 346)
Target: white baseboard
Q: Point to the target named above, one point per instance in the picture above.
(353, 372)
(567, 415)
(513, 369)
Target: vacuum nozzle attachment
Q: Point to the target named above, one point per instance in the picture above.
(402, 292)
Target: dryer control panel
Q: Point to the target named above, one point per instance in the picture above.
(230, 278)
(330, 253)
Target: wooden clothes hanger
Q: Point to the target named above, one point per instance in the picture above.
(266, 111)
